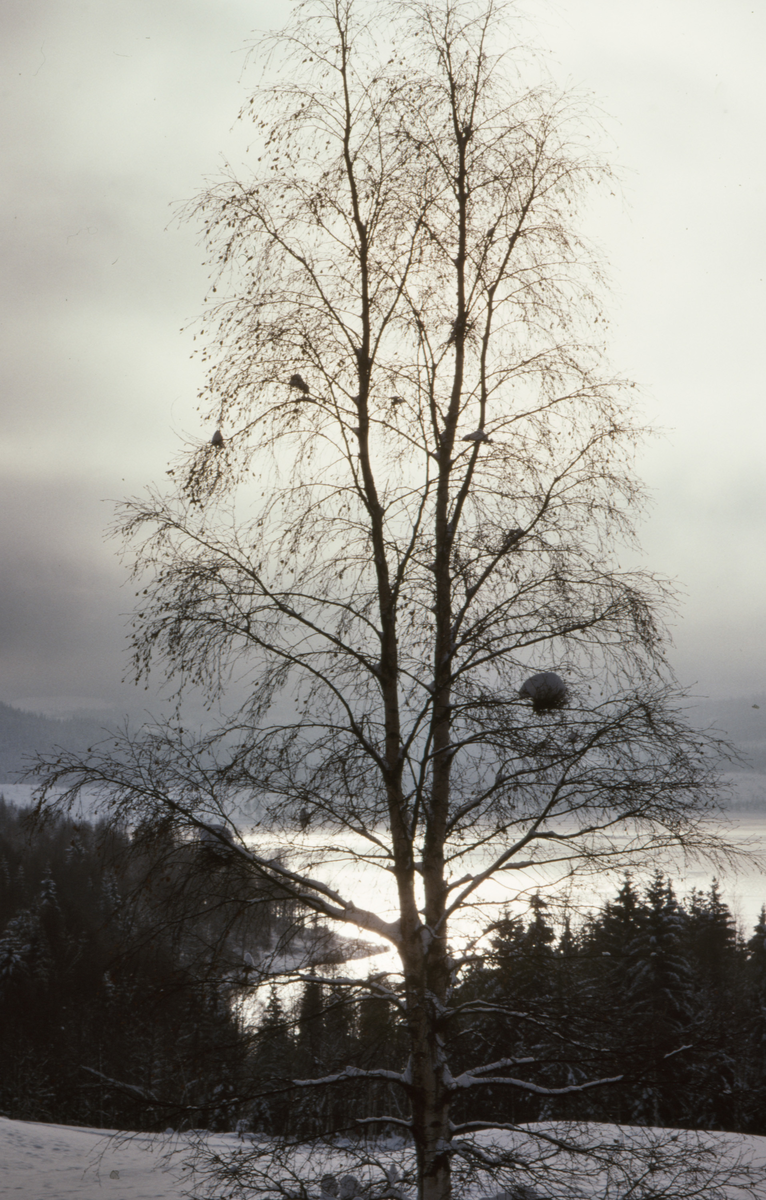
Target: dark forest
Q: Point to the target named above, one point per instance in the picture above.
(123, 981)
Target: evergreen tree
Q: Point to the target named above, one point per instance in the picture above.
(273, 1067)
(718, 1068)
(660, 1001)
(311, 1107)
(755, 1027)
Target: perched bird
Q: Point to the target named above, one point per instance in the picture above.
(478, 435)
(297, 382)
(249, 961)
(546, 690)
(304, 818)
(217, 439)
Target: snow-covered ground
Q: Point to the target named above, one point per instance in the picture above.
(60, 1162)
(65, 1162)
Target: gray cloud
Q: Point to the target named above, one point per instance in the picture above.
(109, 114)
(60, 624)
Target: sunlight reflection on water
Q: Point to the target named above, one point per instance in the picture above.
(373, 888)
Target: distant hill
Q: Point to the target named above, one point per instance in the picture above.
(742, 718)
(23, 734)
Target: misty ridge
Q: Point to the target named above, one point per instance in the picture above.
(742, 718)
(24, 734)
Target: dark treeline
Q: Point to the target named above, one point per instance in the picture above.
(123, 971)
(121, 975)
(663, 993)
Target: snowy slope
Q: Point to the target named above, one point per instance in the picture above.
(61, 1162)
(64, 1162)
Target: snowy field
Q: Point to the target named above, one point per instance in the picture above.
(65, 1162)
(59, 1162)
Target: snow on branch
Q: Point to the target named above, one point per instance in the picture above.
(469, 1079)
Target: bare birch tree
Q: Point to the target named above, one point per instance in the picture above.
(415, 499)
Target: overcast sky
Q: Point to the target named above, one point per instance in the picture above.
(114, 112)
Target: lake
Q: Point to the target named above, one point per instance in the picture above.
(743, 891)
